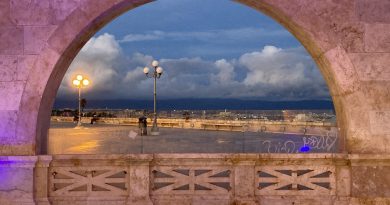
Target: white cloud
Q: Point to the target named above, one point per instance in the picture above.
(289, 72)
(156, 35)
(271, 73)
(209, 35)
(273, 66)
(226, 72)
(270, 50)
(104, 46)
(97, 61)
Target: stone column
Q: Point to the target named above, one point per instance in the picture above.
(139, 180)
(370, 181)
(17, 180)
(41, 180)
(244, 179)
(343, 180)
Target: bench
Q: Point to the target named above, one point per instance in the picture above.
(168, 124)
(131, 123)
(224, 127)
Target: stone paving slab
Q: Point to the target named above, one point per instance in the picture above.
(114, 139)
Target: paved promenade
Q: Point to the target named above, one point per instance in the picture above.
(114, 139)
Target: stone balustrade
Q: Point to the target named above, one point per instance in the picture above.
(195, 179)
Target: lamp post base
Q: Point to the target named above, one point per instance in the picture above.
(79, 125)
(154, 131)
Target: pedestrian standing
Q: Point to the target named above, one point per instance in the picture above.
(140, 125)
(145, 125)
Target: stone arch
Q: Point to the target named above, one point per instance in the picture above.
(62, 46)
(334, 33)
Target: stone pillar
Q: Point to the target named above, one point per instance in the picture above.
(370, 181)
(244, 179)
(41, 180)
(17, 180)
(343, 181)
(139, 180)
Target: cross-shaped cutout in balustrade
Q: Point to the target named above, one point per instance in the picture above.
(190, 180)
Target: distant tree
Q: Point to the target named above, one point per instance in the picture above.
(55, 112)
(186, 115)
(83, 104)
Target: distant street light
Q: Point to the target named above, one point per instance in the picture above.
(80, 82)
(155, 75)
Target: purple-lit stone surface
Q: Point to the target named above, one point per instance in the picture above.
(16, 174)
(349, 40)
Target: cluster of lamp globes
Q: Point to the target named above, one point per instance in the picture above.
(157, 69)
(80, 81)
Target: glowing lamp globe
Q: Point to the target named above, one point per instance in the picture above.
(85, 82)
(154, 63)
(146, 70)
(76, 82)
(159, 70)
(79, 77)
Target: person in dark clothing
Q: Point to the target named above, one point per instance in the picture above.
(140, 126)
(76, 116)
(143, 125)
(94, 118)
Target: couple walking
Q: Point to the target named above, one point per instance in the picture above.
(143, 125)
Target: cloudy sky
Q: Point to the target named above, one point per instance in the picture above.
(208, 49)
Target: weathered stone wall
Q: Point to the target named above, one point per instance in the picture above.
(192, 179)
(349, 40)
(38, 40)
(17, 180)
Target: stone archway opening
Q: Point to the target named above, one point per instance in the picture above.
(347, 39)
(262, 9)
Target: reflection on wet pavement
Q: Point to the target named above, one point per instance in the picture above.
(85, 147)
(117, 139)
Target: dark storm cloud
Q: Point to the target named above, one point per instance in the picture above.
(270, 73)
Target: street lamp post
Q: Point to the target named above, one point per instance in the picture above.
(156, 74)
(80, 82)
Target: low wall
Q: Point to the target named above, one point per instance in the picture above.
(223, 179)
(310, 128)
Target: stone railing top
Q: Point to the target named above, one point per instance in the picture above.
(253, 156)
(224, 158)
(369, 159)
(369, 156)
(197, 156)
(249, 159)
(221, 158)
(145, 157)
(18, 161)
(250, 156)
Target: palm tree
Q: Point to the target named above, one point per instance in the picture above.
(83, 103)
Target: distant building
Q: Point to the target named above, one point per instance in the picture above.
(301, 117)
(225, 114)
(288, 115)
